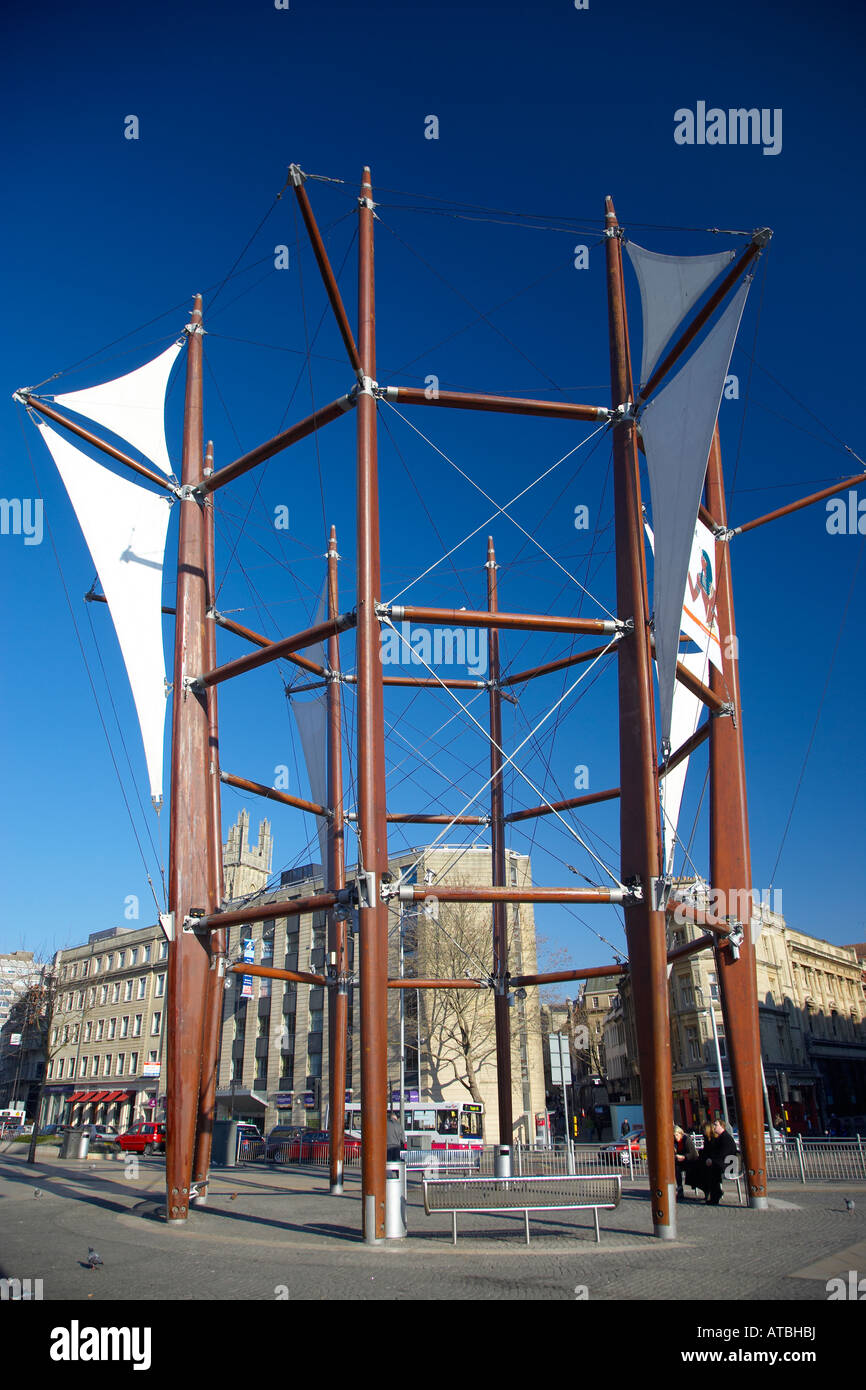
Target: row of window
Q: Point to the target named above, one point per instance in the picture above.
(129, 1025)
(109, 1065)
(118, 960)
(120, 991)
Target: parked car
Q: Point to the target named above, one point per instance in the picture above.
(280, 1142)
(297, 1144)
(147, 1137)
(98, 1134)
(634, 1142)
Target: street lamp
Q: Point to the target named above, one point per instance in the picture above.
(712, 1013)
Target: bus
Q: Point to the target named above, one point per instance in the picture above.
(433, 1125)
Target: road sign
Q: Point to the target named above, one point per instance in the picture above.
(560, 1059)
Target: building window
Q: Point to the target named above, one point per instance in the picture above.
(158, 987)
(115, 992)
(112, 1029)
(60, 1067)
(133, 1063)
(163, 950)
(96, 1062)
(84, 1066)
(155, 1025)
(121, 1060)
(265, 987)
(124, 1027)
(142, 987)
(100, 1029)
(103, 994)
(145, 953)
(136, 1028)
(127, 989)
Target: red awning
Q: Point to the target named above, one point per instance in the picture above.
(117, 1095)
(77, 1096)
(99, 1095)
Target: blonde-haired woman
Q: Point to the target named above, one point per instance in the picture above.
(684, 1154)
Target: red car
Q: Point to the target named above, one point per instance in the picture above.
(147, 1137)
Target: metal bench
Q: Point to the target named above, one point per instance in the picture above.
(526, 1194)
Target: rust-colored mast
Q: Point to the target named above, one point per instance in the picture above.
(218, 939)
(640, 839)
(338, 943)
(190, 875)
(372, 827)
(731, 869)
(497, 856)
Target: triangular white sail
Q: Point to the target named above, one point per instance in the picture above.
(125, 528)
(699, 602)
(311, 717)
(669, 286)
(677, 428)
(685, 718)
(132, 406)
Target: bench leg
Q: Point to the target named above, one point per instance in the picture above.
(526, 1219)
(597, 1231)
(454, 1227)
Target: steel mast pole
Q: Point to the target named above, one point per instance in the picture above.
(731, 867)
(218, 939)
(640, 839)
(338, 947)
(372, 827)
(190, 816)
(497, 853)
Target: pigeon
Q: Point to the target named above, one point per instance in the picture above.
(849, 1204)
(93, 1259)
(37, 1192)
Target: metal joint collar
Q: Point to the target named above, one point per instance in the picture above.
(189, 492)
(617, 232)
(296, 175)
(190, 328)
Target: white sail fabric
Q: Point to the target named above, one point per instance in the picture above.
(686, 715)
(125, 528)
(132, 406)
(699, 602)
(685, 718)
(677, 428)
(311, 717)
(669, 286)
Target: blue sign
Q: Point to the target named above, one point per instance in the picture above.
(249, 956)
(309, 1100)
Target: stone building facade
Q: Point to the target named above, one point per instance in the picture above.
(274, 1052)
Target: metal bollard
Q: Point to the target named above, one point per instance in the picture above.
(502, 1161)
(395, 1200)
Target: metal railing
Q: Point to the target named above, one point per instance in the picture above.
(790, 1160)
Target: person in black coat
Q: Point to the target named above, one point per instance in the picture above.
(685, 1156)
(721, 1159)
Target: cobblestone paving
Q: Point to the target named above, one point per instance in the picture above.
(279, 1234)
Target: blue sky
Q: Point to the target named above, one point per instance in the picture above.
(542, 110)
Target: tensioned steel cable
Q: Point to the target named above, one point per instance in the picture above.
(509, 757)
(820, 709)
(500, 510)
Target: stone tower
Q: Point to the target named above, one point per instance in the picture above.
(246, 870)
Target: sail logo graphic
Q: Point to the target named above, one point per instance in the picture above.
(736, 126)
(22, 517)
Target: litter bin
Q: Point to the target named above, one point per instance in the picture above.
(395, 1200)
(502, 1161)
(224, 1144)
(75, 1144)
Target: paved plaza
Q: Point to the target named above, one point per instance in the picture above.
(277, 1234)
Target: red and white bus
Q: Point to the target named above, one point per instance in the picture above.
(435, 1125)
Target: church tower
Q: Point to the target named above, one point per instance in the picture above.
(246, 870)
